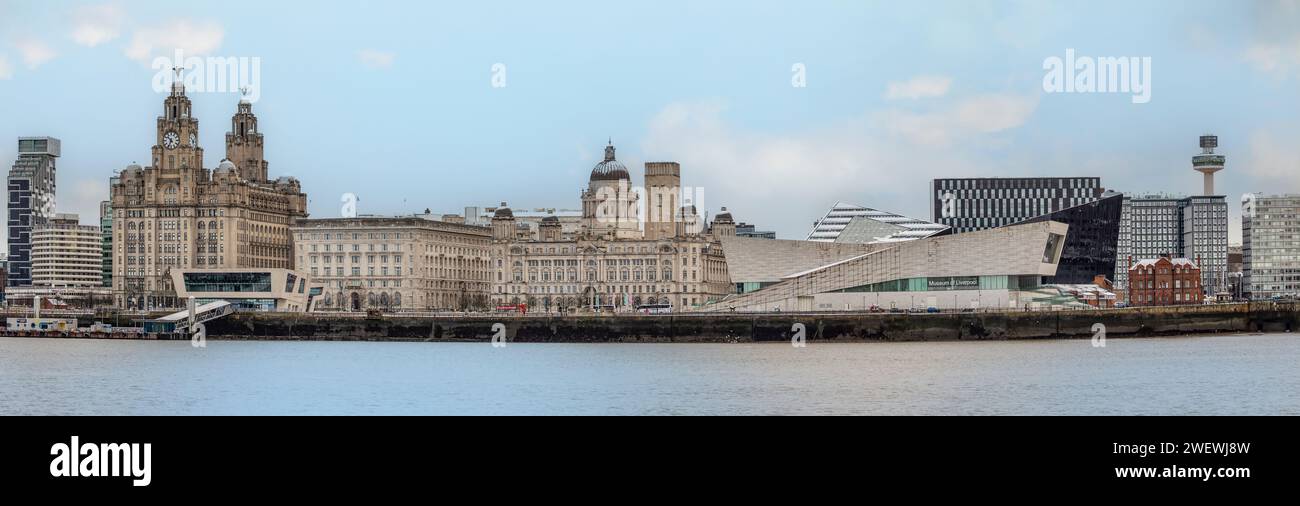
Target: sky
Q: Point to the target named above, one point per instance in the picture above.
(776, 109)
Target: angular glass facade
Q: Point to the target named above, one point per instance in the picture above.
(234, 282)
(1092, 243)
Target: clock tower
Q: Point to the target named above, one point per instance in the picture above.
(244, 143)
(177, 154)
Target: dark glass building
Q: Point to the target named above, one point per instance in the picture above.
(1091, 244)
(31, 201)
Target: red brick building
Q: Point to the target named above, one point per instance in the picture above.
(1164, 281)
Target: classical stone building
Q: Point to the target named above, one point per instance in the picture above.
(618, 260)
(177, 214)
(395, 264)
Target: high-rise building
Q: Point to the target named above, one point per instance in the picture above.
(106, 234)
(67, 254)
(1195, 228)
(175, 214)
(395, 264)
(972, 204)
(31, 201)
(1270, 233)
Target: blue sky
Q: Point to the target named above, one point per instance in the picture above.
(393, 101)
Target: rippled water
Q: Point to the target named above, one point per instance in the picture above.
(1218, 375)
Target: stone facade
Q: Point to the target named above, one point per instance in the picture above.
(395, 264)
(177, 214)
(612, 263)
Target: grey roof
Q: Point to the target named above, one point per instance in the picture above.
(848, 223)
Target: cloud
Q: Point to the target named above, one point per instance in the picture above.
(34, 52)
(1275, 45)
(919, 87)
(84, 199)
(1274, 160)
(985, 114)
(785, 181)
(194, 38)
(376, 59)
(93, 25)
(6, 70)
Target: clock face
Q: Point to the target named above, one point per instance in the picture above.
(194, 140)
(171, 140)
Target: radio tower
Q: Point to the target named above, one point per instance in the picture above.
(1207, 162)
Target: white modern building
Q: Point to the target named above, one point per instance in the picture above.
(997, 268)
(1270, 232)
(66, 253)
(249, 289)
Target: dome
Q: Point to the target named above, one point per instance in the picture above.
(610, 169)
(226, 166)
(723, 217)
(550, 221)
(503, 212)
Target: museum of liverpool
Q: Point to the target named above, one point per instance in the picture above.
(990, 269)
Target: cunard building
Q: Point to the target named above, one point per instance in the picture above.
(175, 214)
(618, 260)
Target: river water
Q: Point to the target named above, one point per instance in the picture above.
(1214, 375)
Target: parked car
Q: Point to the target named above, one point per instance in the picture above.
(875, 309)
(932, 309)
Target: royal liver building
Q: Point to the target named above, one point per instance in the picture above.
(177, 214)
